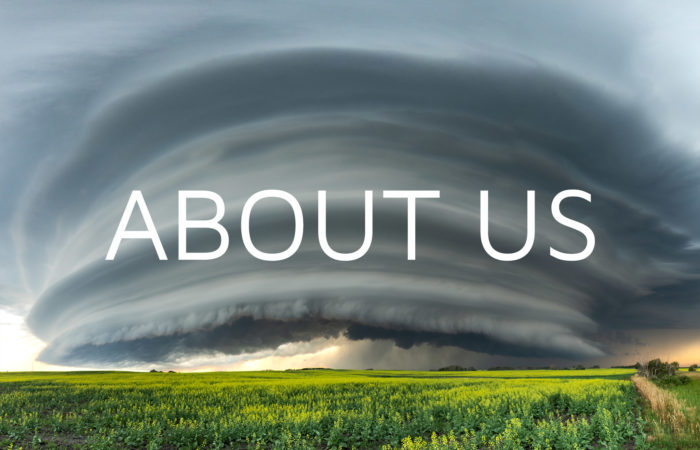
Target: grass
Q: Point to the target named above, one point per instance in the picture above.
(663, 404)
(321, 409)
(673, 413)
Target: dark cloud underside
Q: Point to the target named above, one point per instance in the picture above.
(308, 117)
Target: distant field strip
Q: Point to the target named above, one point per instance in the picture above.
(321, 409)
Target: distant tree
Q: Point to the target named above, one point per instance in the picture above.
(455, 368)
(595, 367)
(693, 368)
(632, 366)
(672, 368)
(658, 369)
(580, 367)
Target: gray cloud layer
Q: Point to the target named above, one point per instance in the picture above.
(347, 112)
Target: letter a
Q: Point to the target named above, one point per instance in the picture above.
(150, 232)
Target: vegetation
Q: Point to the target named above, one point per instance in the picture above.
(671, 404)
(663, 404)
(322, 409)
(658, 369)
(689, 396)
(455, 368)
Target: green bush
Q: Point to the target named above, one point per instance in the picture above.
(658, 369)
(674, 380)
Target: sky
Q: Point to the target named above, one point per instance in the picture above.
(98, 100)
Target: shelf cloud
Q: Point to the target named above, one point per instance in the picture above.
(251, 100)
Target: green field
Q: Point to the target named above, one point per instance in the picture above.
(321, 409)
(689, 396)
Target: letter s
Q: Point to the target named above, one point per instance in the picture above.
(578, 226)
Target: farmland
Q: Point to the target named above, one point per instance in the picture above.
(321, 409)
(686, 434)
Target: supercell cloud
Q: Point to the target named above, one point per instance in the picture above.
(345, 98)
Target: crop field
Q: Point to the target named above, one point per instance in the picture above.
(322, 409)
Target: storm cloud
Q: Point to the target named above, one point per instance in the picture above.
(253, 99)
